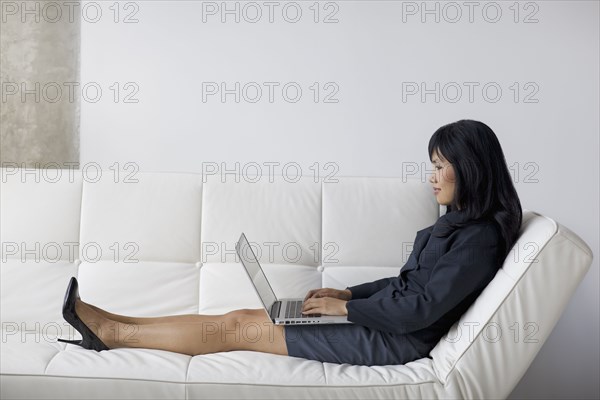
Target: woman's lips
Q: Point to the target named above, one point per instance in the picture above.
(436, 191)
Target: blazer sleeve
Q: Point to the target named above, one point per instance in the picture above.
(365, 290)
(469, 265)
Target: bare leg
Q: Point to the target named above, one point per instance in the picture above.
(246, 329)
(142, 320)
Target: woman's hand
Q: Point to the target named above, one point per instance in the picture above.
(329, 292)
(324, 305)
(326, 301)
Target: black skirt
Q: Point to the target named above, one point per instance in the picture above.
(348, 343)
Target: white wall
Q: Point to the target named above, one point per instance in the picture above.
(371, 54)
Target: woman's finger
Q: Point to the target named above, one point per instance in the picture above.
(308, 305)
(309, 294)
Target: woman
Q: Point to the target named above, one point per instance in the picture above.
(397, 319)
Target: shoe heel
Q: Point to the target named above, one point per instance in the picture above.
(70, 341)
(89, 339)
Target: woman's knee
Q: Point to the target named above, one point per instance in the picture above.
(251, 330)
(240, 321)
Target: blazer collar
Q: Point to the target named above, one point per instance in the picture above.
(453, 216)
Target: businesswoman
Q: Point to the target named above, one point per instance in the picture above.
(396, 319)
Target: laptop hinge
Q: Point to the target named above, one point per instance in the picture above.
(275, 309)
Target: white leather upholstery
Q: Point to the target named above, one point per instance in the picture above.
(175, 236)
(226, 287)
(373, 221)
(40, 211)
(282, 218)
(159, 215)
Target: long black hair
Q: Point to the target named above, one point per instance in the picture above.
(483, 188)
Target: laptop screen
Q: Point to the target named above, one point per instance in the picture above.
(255, 272)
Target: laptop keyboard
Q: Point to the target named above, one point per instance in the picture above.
(293, 309)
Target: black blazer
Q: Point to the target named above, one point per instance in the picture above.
(441, 279)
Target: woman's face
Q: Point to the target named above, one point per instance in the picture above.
(443, 179)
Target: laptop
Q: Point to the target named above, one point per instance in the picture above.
(281, 311)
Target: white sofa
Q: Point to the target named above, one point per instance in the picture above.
(175, 235)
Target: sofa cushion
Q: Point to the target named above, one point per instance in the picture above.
(145, 216)
(40, 214)
(141, 289)
(226, 287)
(373, 221)
(32, 295)
(131, 372)
(281, 219)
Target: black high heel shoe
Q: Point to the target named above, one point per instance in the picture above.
(90, 341)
